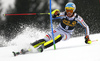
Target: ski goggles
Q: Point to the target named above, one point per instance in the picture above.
(69, 8)
(71, 11)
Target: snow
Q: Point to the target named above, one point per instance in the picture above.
(72, 50)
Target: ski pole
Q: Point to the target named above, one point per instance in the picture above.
(27, 14)
(94, 40)
(52, 27)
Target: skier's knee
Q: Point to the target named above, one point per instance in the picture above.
(65, 37)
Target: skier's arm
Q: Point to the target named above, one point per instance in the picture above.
(56, 14)
(83, 24)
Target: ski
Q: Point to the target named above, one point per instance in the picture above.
(24, 51)
(15, 53)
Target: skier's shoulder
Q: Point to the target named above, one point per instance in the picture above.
(78, 17)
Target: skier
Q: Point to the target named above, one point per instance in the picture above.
(64, 30)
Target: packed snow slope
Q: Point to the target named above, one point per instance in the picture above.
(72, 50)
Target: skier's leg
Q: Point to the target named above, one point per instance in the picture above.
(38, 43)
(50, 43)
(45, 44)
(45, 39)
(62, 36)
(66, 36)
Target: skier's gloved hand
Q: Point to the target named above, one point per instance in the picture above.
(55, 13)
(87, 40)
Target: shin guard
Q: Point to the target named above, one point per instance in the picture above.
(50, 43)
(38, 43)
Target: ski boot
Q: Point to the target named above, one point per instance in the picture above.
(16, 53)
(23, 51)
(40, 49)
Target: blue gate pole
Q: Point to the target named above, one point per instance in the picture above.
(52, 26)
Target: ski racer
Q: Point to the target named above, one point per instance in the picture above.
(64, 30)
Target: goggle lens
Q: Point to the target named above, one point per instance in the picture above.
(69, 8)
(71, 11)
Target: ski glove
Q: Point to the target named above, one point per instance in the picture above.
(55, 13)
(87, 40)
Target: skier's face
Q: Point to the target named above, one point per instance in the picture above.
(69, 13)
